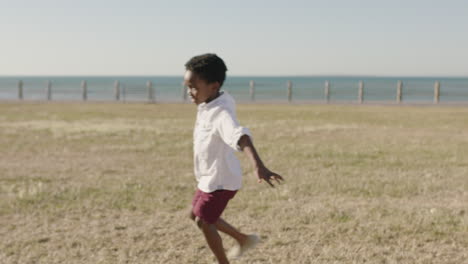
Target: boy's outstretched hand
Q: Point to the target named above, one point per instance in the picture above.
(264, 174)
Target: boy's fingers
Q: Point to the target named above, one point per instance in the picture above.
(277, 180)
(268, 181)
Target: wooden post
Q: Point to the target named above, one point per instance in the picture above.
(252, 90)
(117, 90)
(289, 91)
(49, 90)
(149, 84)
(361, 92)
(327, 91)
(20, 90)
(84, 90)
(436, 92)
(399, 96)
(124, 91)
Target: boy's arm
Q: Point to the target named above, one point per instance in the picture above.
(262, 172)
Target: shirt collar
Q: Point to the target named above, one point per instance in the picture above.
(206, 106)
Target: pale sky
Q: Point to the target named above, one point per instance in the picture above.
(294, 37)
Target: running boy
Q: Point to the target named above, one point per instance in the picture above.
(217, 135)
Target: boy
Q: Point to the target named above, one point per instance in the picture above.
(217, 135)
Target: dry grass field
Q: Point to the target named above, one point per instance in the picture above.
(110, 183)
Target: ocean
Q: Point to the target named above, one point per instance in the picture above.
(267, 89)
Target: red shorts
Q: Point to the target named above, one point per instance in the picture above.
(210, 206)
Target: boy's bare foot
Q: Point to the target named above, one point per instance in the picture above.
(250, 242)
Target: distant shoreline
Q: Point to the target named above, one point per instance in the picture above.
(271, 89)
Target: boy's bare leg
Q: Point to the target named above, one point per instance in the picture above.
(245, 242)
(214, 241)
(212, 238)
(228, 229)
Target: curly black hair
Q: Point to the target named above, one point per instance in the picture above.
(208, 67)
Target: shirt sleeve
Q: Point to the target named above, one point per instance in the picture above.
(230, 130)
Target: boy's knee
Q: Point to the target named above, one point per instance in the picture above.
(191, 215)
(201, 223)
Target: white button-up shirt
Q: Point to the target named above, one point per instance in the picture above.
(216, 136)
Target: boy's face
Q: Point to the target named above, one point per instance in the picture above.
(198, 89)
